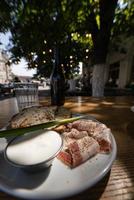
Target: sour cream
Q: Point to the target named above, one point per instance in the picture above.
(34, 148)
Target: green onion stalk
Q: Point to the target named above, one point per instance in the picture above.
(50, 124)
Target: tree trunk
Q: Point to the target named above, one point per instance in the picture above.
(98, 80)
(106, 73)
(101, 38)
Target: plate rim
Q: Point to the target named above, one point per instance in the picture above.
(101, 175)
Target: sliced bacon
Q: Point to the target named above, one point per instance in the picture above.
(84, 139)
(84, 125)
(98, 131)
(65, 157)
(67, 141)
(75, 153)
(74, 133)
(104, 140)
(88, 147)
(79, 151)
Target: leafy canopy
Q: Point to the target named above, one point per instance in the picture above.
(74, 25)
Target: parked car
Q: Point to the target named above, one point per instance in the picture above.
(1, 88)
(6, 88)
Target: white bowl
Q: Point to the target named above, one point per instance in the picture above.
(34, 151)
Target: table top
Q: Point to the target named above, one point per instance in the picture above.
(115, 112)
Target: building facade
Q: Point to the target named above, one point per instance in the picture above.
(5, 69)
(119, 67)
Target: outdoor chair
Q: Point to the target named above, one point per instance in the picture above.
(26, 94)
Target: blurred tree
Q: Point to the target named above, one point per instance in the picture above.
(80, 29)
(124, 19)
(36, 27)
(123, 26)
(5, 18)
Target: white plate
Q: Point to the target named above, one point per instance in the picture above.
(59, 182)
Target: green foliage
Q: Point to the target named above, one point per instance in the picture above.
(76, 26)
(123, 27)
(34, 22)
(124, 19)
(5, 18)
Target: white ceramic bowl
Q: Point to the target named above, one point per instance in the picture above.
(34, 151)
